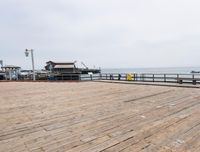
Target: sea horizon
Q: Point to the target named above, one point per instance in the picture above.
(177, 70)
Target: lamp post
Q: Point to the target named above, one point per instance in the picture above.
(32, 57)
(1, 62)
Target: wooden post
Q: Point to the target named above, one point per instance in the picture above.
(91, 77)
(79, 77)
(10, 74)
(177, 78)
(164, 77)
(194, 82)
(153, 78)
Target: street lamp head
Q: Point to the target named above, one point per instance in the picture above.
(26, 52)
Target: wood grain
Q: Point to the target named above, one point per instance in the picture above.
(98, 117)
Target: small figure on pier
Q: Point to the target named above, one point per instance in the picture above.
(119, 76)
(111, 77)
(129, 77)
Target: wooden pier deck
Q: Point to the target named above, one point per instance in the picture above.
(98, 117)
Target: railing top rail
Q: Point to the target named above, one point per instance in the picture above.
(154, 73)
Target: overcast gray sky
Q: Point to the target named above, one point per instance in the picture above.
(104, 33)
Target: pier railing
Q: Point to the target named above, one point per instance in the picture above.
(152, 77)
(142, 77)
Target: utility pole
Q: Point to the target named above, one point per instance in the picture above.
(32, 57)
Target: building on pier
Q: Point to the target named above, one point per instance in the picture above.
(67, 70)
(11, 72)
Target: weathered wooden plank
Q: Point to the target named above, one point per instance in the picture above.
(95, 117)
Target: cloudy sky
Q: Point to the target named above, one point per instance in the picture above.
(104, 33)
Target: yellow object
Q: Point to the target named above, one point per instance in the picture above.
(129, 77)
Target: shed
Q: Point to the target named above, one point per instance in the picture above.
(61, 67)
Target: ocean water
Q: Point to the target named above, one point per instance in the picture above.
(169, 70)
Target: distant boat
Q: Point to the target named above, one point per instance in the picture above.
(195, 72)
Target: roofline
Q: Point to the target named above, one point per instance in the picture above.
(62, 62)
(10, 66)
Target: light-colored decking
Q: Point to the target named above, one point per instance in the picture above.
(94, 116)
